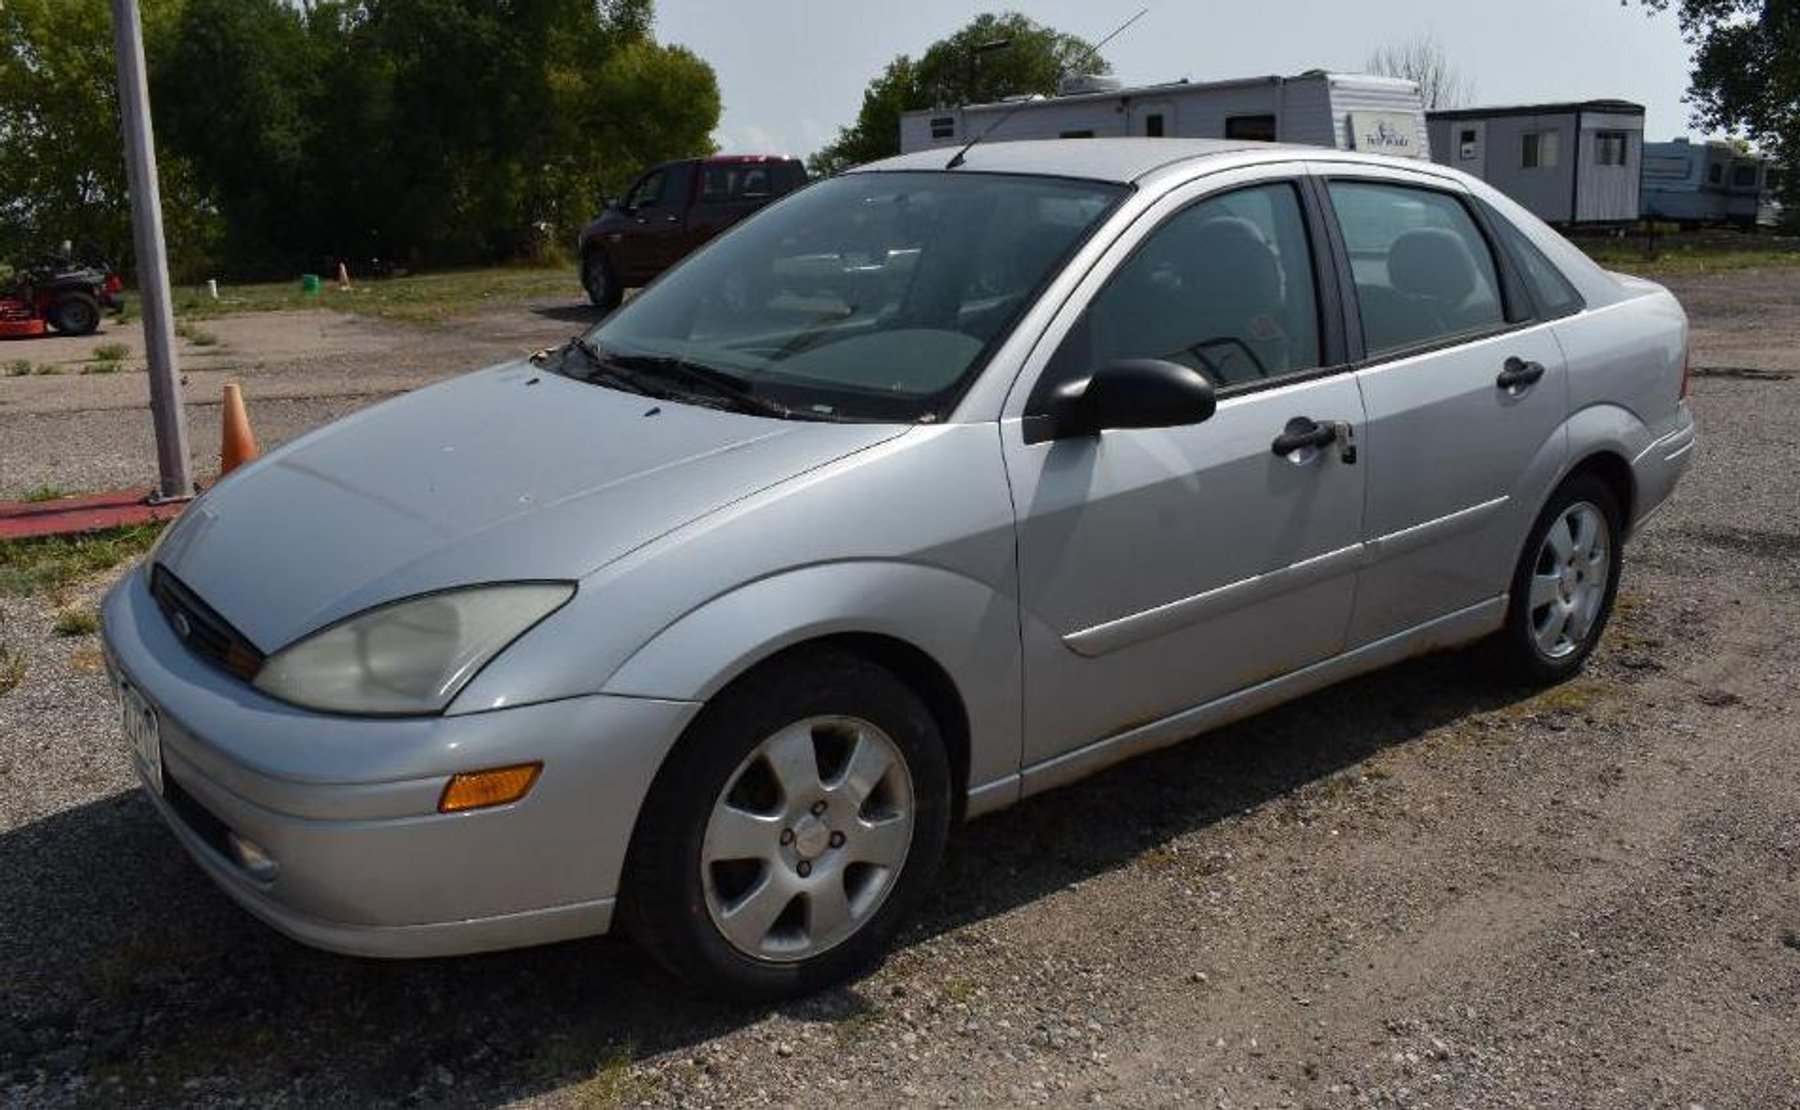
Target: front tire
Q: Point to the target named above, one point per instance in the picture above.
(75, 313)
(601, 281)
(1565, 582)
(796, 822)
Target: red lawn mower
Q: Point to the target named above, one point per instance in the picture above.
(58, 293)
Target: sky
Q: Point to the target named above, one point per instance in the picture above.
(793, 71)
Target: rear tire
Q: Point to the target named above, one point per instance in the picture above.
(75, 313)
(1565, 582)
(796, 822)
(601, 281)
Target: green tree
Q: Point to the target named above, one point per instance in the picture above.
(1746, 73)
(965, 68)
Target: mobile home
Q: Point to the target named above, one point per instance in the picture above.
(1347, 111)
(1572, 163)
(1710, 182)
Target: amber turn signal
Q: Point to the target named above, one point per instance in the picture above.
(495, 786)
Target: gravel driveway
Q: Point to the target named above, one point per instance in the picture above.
(1422, 888)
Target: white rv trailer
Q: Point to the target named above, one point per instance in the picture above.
(1709, 182)
(1574, 163)
(1347, 111)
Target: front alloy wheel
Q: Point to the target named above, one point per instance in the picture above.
(800, 816)
(807, 839)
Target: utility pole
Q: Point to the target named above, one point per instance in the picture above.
(175, 481)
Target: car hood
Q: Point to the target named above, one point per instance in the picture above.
(503, 475)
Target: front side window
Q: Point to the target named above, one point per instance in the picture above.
(1539, 150)
(1424, 273)
(647, 193)
(871, 296)
(1225, 286)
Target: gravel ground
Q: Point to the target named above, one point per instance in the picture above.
(1418, 889)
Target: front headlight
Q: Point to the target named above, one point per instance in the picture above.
(408, 657)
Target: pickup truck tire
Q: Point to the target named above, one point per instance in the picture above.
(600, 280)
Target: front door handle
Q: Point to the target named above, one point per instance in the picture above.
(1517, 374)
(1303, 432)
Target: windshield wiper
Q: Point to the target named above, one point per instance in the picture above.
(603, 369)
(734, 390)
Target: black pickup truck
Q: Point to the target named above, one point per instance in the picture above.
(672, 209)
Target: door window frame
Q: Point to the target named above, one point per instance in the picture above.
(1334, 349)
(1518, 309)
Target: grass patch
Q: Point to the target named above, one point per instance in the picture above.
(19, 368)
(111, 352)
(103, 366)
(51, 563)
(44, 493)
(424, 298)
(195, 334)
(12, 670)
(1691, 253)
(76, 622)
(44, 368)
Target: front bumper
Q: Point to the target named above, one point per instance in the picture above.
(346, 808)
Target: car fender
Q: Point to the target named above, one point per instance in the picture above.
(970, 630)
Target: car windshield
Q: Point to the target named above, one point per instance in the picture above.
(871, 296)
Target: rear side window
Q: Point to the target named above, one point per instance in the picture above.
(1549, 288)
(1224, 286)
(1424, 273)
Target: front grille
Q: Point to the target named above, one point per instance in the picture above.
(202, 629)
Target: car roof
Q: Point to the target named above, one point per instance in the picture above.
(1122, 160)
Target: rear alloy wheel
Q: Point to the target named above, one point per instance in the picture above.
(795, 823)
(1567, 577)
(75, 313)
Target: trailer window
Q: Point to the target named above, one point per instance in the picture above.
(1610, 147)
(1743, 177)
(1153, 125)
(1715, 173)
(1540, 150)
(943, 127)
(1257, 129)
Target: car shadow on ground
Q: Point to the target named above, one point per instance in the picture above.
(570, 312)
(127, 967)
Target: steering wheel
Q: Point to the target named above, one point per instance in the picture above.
(1212, 369)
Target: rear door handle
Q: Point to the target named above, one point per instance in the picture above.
(1517, 374)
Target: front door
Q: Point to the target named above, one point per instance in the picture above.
(1466, 398)
(1163, 568)
(657, 237)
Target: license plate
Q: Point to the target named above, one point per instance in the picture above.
(141, 734)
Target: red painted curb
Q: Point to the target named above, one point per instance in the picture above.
(89, 513)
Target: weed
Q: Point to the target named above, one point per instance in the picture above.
(12, 670)
(44, 493)
(195, 334)
(45, 368)
(87, 660)
(111, 352)
(613, 1084)
(50, 563)
(103, 366)
(958, 989)
(76, 622)
(18, 368)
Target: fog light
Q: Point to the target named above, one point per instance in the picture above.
(258, 864)
(495, 786)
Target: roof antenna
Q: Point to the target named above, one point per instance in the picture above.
(957, 159)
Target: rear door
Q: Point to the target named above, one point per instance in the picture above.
(1162, 568)
(1466, 392)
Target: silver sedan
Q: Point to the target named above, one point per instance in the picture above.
(926, 489)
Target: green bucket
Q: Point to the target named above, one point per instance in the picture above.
(309, 283)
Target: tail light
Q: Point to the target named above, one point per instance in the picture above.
(1687, 372)
(113, 284)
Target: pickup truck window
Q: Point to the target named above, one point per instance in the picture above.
(871, 296)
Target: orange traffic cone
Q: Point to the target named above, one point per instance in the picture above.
(237, 443)
(343, 278)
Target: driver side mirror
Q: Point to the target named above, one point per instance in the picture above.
(1130, 393)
